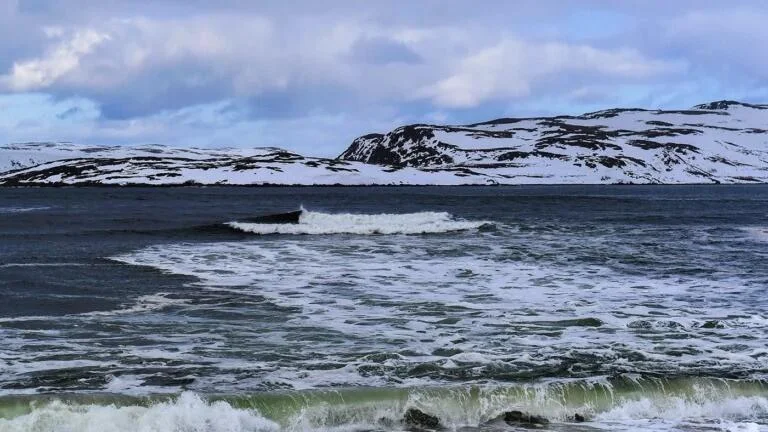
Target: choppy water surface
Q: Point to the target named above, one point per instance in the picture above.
(641, 308)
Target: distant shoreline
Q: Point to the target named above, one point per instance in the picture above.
(278, 185)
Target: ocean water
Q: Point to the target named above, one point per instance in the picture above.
(140, 309)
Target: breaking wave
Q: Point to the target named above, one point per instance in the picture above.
(613, 404)
(345, 223)
(188, 413)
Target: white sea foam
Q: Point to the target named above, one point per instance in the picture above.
(188, 413)
(741, 413)
(675, 408)
(465, 300)
(759, 233)
(395, 310)
(22, 209)
(311, 222)
(456, 408)
(126, 384)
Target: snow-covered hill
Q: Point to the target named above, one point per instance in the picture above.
(24, 155)
(67, 164)
(722, 141)
(719, 142)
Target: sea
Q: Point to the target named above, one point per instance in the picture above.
(589, 308)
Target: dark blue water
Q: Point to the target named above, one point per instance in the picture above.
(477, 293)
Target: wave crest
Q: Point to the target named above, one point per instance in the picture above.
(638, 404)
(318, 223)
(188, 413)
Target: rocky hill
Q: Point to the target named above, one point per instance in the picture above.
(723, 141)
(718, 142)
(71, 164)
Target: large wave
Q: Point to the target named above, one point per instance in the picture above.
(311, 222)
(188, 413)
(640, 404)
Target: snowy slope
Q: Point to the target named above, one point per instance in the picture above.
(720, 142)
(64, 163)
(23, 155)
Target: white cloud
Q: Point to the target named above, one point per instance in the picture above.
(293, 63)
(250, 53)
(201, 58)
(64, 57)
(38, 117)
(511, 68)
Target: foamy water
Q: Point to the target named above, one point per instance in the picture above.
(696, 406)
(759, 233)
(642, 315)
(464, 302)
(318, 223)
(188, 413)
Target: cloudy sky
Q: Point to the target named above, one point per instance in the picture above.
(311, 75)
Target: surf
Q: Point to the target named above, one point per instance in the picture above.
(318, 223)
(625, 402)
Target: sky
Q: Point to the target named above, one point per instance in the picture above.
(311, 75)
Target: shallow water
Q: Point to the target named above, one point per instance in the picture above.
(642, 308)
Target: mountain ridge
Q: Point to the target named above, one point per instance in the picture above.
(717, 142)
(721, 141)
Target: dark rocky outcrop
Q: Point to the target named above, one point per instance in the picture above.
(277, 218)
(726, 104)
(521, 418)
(418, 419)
